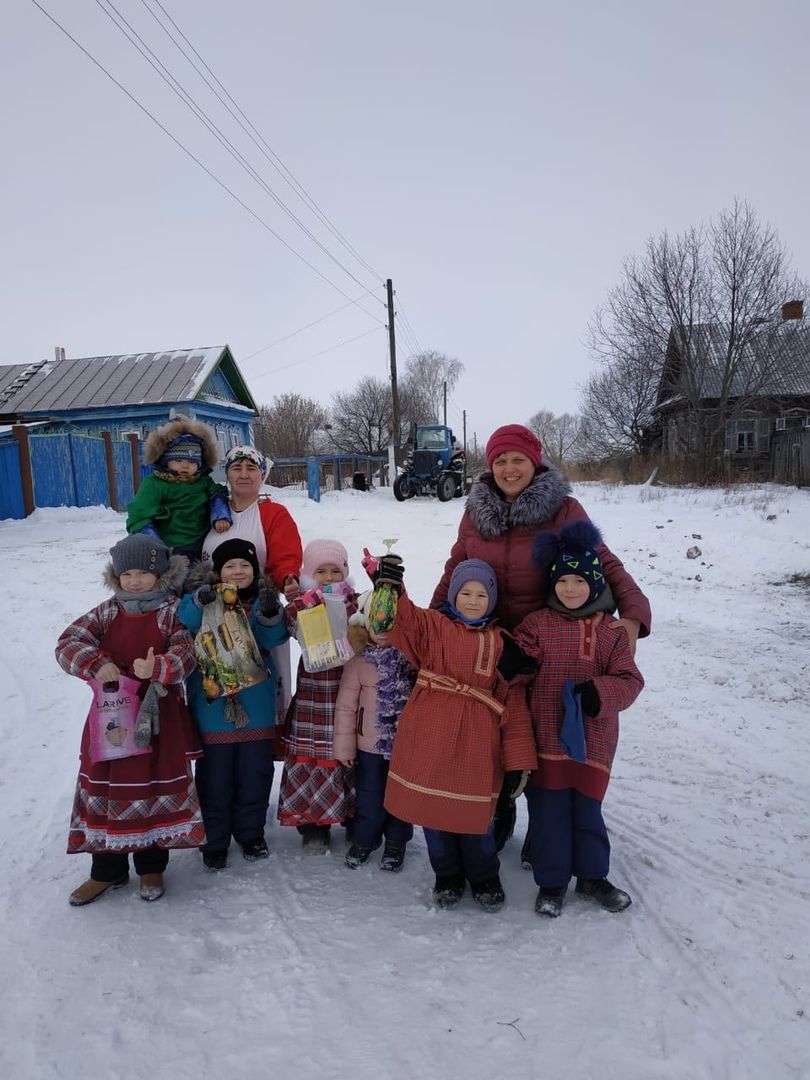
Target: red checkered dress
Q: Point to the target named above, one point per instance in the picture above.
(566, 647)
(133, 803)
(461, 727)
(315, 788)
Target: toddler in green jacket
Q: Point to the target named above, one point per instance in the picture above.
(179, 502)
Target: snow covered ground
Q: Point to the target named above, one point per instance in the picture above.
(300, 968)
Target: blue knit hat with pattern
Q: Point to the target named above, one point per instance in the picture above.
(573, 551)
(183, 447)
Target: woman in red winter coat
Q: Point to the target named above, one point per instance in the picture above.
(520, 496)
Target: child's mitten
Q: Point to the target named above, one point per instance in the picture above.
(589, 696)
(148, 721)
(572, 732)
(516, 781)
(206, 594)
(268, 599)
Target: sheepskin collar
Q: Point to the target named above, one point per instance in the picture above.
(536, 505)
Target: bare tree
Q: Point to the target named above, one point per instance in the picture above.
(617, 407)
(560, 435)
(694, 318)
(421, 388)
(287, 426)
(361, 418)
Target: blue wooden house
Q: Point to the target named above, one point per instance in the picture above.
(67, 405)
(132, 393)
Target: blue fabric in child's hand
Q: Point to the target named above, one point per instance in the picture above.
(572, 732)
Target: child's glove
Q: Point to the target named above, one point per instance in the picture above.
(370, 564)
(206, 594)
(148, 722)
(516, 781)
(391, 570)
(589, 696)
(291, 587)
(268, 599)
(312, 597)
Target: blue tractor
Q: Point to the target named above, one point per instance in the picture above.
(434, 465)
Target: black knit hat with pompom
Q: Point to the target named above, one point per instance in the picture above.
(573, 551)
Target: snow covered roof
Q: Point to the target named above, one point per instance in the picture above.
(107, 381)
(776, 362)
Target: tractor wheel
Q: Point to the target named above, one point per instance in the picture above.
(445, 487)
(402, 488)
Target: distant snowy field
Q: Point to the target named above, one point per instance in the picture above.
(298, 968)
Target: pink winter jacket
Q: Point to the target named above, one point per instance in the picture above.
(356, 709)
(502, 535)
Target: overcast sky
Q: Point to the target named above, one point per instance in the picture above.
(496, 160)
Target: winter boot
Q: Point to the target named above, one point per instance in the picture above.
(90, 891)
(315, 839)
(550, 900)
(152, 887)
(255, 849)
(393, 857)
(449, 889)
(488, 894)
(358, 856)
(526, 854)
(505, 817)
(605, 894)
(215, 860)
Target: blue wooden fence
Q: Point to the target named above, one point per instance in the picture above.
(11, 497)
(122, 457)
(68, 470)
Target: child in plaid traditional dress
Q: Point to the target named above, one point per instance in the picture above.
(316, 790)
(148, 803)
(586, 676)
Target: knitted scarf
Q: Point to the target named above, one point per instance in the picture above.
(396, 680)
(140, 603)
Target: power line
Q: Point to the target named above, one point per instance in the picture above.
(301, 329)
(137, 41)
(190, 154)
(406, 322)
(254, 134)
(314, 356)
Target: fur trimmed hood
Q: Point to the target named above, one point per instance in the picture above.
(536, 505)
(157, 440)
(171, 581)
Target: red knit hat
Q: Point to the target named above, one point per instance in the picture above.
(518, 439)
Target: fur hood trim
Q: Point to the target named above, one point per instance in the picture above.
(171, 581)
(536, 505)
(157, 440)
(199, 574)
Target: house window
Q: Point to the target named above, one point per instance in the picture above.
(223, 445)
(234, 435)
(780, 423)
(745, 442)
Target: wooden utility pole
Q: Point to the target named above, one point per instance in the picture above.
(464, 429)
(445, 404)
(392, 348)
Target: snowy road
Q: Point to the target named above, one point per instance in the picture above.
(298, 967)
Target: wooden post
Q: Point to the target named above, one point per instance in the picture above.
(20, 433)
(109, 460)
(392, 348)
(136, 461)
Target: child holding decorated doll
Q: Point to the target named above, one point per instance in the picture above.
(586, 677)
(316, 789)
(374, 687)
(146, 804)
(465, 725)
(235, 775)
